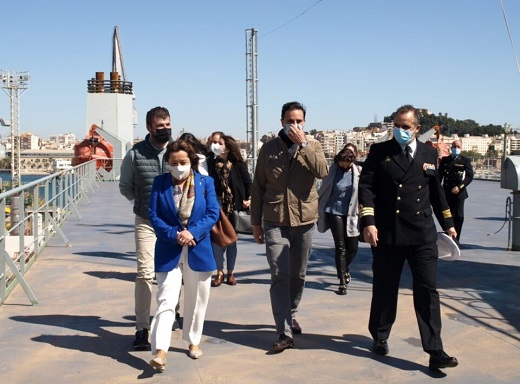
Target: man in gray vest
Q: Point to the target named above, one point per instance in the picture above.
(141, 164)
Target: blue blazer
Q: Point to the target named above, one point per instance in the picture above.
(166, 223)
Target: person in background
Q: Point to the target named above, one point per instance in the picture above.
(398, 188)
(200, 149)
(233, 188)
(214, 143)
(338, 210)
(183, 209)
(456, 172)
(139, 167)
(284, 200)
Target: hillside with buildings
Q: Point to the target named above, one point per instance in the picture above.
(38, 154)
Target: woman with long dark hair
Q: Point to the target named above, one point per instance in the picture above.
(233, 188)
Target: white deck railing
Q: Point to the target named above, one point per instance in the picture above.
(35, 213)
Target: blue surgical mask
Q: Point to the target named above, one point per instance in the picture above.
(403, 136)
(455, 152)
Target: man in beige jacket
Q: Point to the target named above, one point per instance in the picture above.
(284, 208)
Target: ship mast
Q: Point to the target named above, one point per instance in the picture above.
(118, 64)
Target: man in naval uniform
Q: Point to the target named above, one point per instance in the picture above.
(457, 173)
(399, 191)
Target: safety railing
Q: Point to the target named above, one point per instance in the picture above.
(35, 213)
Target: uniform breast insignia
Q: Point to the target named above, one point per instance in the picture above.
(428, 166)
(387, 158)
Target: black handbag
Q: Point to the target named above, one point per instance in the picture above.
(242, 221)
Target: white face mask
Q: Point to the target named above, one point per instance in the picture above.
(180, 172)
(216, 148)
(287, 128)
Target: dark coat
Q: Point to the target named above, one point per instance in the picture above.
(397, 197)
(456, 172)
(240, 182)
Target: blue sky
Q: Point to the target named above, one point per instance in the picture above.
(351, 62)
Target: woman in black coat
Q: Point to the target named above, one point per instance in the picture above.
(233, 188)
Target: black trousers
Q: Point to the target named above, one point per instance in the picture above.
(456, 205)
(346, 247)
(387, 268)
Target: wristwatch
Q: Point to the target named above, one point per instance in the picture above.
(304, 144)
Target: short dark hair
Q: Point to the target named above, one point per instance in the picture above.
(409, 108)
(353, 146)
(293, 105)
(182, 145)
(156, 113)
(343, 155)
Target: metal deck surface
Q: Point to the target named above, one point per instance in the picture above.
(83, 328)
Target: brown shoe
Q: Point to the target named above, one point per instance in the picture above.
(283, 343)
(295, 327)
(218, 280)
(231, 279)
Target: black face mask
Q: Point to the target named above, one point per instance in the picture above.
(163, 135)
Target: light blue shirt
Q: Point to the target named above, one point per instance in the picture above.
(341, 193)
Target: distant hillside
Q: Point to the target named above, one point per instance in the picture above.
(451, 126)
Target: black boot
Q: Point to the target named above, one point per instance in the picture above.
(342, 289)
(347, 277)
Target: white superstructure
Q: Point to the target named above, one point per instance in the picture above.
(110, 103)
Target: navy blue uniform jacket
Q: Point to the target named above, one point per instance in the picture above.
(400, 198)
(166, 223)
(456, 172)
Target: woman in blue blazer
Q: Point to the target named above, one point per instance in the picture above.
(183, 208)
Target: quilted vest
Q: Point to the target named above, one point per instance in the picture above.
(148, 163)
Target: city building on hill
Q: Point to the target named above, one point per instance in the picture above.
(63, 141)
(28, 141)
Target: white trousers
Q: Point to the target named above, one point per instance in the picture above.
(197, 287)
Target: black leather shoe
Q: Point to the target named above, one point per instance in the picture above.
(295, 327)
(380, 347)
(141, 340)
(176, 323)
(440, 359)
(283, 343)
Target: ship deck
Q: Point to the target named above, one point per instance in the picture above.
(83, 327)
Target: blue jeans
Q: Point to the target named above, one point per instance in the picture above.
(231, 256)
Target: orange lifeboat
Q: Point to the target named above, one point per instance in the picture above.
(94, 147)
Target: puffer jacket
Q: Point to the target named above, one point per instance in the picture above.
(141, 164)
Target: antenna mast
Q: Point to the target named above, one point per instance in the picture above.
(15, 84)
(251, 95)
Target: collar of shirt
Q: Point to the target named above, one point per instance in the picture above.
(412, 145)
(292, 150)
